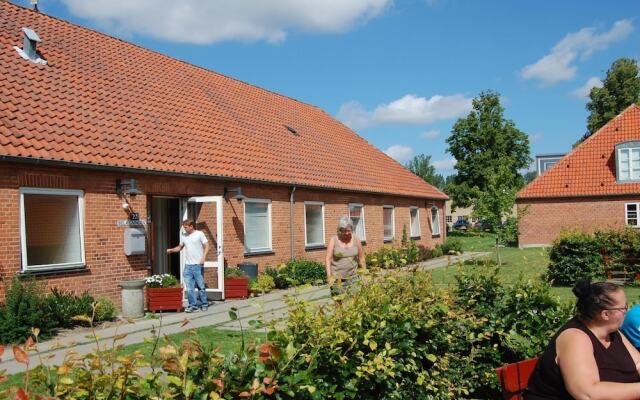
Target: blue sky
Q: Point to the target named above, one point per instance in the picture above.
(398, 72)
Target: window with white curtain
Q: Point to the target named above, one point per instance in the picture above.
(257, 225)
(628, 159)
(435, 221)
(415, 221)
(388, 223)
(313, 223)
(356, 213)
(51, 226)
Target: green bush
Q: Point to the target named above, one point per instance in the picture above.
(508, 234)
(280, 280)
(263, 284)
(105, 309)
(63, 306)
(574, 255)
(451, 246)
(301, 271)
(24, 309)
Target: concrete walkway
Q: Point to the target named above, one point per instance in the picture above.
(270, 307)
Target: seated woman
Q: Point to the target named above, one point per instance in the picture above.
(589, 358)
(631, 326)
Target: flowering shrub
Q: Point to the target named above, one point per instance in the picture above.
(161, 281)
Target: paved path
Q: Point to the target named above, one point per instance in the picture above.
(270, 307)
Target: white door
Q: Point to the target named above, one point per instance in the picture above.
(206, 211)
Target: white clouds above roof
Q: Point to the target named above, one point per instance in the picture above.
(400, 153)
(407, 110)
(203, 22)
(444, 164)
(430, 135)
(559, 64)
(583, 91)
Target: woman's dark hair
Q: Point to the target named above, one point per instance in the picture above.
(593, 297)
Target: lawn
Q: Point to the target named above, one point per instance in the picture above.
(228, 341)
(530, 263)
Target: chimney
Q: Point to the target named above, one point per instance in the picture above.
(34, 3)
(31, 39)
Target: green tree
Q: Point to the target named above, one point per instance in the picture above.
(529, 176)
(421, 166)
(489, 150)
(620, 89)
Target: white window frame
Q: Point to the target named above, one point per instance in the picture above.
(449, 219)
(629, 148)
(306, 241)
(435, 228)
(393, 223)
(413, 234)
(364, 226)
(23, 229)
(244, 225)
(626, 215)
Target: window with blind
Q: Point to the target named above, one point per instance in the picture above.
(415, 221)
(435, 222)
(388, 223)
(51, 225)
(257, 225)
(314, 223)
(628, 161)
(356, 213)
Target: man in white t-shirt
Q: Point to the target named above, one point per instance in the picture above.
(196, 247)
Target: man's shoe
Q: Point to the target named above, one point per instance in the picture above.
(204, 309)
(191, 309)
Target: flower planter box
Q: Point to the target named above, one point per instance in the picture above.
(236, 288)
(164, 299)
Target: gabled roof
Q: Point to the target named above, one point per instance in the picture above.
(105, 102)
(590, 169)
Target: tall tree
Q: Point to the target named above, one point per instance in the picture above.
(619, 90)
(421, 166)
(489, 150)
(529, 176)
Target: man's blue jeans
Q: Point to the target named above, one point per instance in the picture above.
(193, 278)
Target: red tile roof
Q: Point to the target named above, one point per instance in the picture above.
(590, 169)
(107, 102)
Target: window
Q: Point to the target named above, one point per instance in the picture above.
(257, 225)
(462, 217)
(631, 216)
(449, 218)
(435, 221)
(356, 213)
(628, 161)
(314, 223)
(388, 223)
(415, 222)
(52, 228)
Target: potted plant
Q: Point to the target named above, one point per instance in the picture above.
(163, 293)
(236, 284)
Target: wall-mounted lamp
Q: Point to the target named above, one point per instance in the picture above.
(434, 208)
(238, 191)
(127, 187)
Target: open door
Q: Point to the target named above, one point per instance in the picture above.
(206, 211)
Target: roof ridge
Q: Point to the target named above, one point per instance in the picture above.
(157, 53)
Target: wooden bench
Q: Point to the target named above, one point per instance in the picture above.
(514, 378)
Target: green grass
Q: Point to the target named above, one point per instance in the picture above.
(530, 263)
(227, 341)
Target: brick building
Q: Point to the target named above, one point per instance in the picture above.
(595, 186)
(105, 147)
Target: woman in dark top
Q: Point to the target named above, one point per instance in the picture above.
(589, 358)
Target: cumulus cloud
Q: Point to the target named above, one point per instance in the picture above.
(583, 91)
(407, 110)
(430, 135)
(559, 65)
(444, 164)
(400, 153)
(203, 22)
(534, 137)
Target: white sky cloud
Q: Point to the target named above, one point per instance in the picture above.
(430, 135)
(583, 91)
(444, 164)
(203, 22)
(559, 65)
(400, 153)
(534, 137)
(407, 110)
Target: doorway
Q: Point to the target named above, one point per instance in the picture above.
(165, 233)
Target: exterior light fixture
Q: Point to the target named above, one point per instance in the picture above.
(238, 191)
(127, 187)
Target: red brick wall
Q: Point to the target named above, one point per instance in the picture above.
(107, 264)
(542, 220)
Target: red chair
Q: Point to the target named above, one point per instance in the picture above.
(514, 378)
